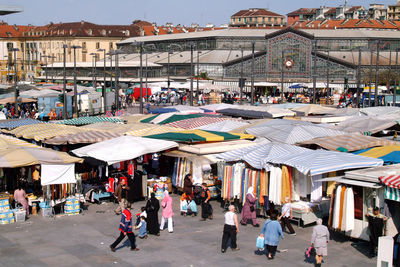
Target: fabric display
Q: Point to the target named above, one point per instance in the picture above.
(343, 209)
(182, 166)
(275, 183)
(237, 179)
(111, 185)
(316, 188)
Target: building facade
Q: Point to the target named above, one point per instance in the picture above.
(377, 11)
(393, 11)
(257, 17)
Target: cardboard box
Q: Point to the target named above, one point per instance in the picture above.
(7, 214)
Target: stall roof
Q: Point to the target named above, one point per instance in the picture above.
(213, 148)
(12, 124)
(203, 159)
(314, 109)
(373, 174)
(16, 154)
(291, 131)
(343, 180)
(196, 136)
(87, 137)
(389, 154)
(366, 124)
(123, 148)
(349, 142)
(196, 123)
(227, 125)
(88, 120)
(150, 129)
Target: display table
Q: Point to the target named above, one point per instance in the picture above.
(98, 196)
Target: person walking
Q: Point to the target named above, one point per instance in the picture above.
(152, 208)
(271, 232)
(319, 240)
(376, 222)
(286, 214)
(231, 228)
(206, 208)
(167, 212)
(125, 227)
(249, 209)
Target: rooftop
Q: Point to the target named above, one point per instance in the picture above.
(256, 12)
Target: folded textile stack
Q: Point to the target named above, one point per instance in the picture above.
(72, 206)
(6, 215)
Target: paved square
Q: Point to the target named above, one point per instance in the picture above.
(84, 241)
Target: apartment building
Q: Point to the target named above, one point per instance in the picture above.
(258, 17)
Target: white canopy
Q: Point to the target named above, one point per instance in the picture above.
(123, 148)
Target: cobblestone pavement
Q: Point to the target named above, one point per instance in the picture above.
(84, 240)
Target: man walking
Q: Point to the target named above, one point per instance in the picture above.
(231, 228)
(206, 209)
(286, 215)
(121, 194)
(125, 227)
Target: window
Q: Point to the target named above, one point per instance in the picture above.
(83, 57)
(84, 45)
(111, 47)
(97, 45)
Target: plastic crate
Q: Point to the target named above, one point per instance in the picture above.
(47, 212)
(20, 215)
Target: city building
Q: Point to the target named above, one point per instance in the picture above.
(302, 14)
(393, 11)
(377, 11)
(257, 17)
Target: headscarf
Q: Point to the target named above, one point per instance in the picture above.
(319, 221)
(153, 195)
(250, 191)
(166, 195)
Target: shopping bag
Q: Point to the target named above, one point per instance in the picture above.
(260, 242)
(310, 254)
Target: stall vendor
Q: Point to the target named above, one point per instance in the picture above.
(376, 222)
(20, 198)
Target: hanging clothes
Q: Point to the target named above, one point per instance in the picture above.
(348, 223)
(316, 188)
(286, 186)
(341, 206)
(336, 207)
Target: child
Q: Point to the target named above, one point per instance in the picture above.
(184, 205)
(142, 213)
(192, 208)
(142, 228)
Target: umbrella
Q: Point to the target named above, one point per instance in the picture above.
(349, 142)
(291, 133)
(193, 136)
(123, 148)
(389, 154)
(317, 162)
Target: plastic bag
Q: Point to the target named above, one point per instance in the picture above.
(260, 242)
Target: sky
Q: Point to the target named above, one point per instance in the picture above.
(123, 12)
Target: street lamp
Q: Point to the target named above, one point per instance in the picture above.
(198, 71)
(65, 115)
(15, 50)
(116, 53)
(46, 65)
(104, 88)
(75, 89)
(94, 59)
(140, 45)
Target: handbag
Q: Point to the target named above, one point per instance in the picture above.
(260, 242)
(252, 208)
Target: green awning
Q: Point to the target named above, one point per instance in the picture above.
(88, 120)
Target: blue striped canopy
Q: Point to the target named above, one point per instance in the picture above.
(12, 124)
(321, 161)
(259, 155)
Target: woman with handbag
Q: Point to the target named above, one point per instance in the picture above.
(319, 240)
(152, 208)
(249, 209)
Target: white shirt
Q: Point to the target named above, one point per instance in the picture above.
(286, 210)
(229, 218)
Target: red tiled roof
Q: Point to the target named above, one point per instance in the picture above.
(13, 30)
(348, 24)
(302, 11)
(331, 11)
(255, 12)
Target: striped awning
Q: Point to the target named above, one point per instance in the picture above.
(15, 154)
(194, 136)
(391, 181)
(12, 124)
(88, 137)
(172, 117)
(194, 123)
(291, 132)
(224, 126)
(88, 120)
(349, 142)
(151, 129)
(392, 193)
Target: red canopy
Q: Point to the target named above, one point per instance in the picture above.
(136, 92)
(391, 181)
